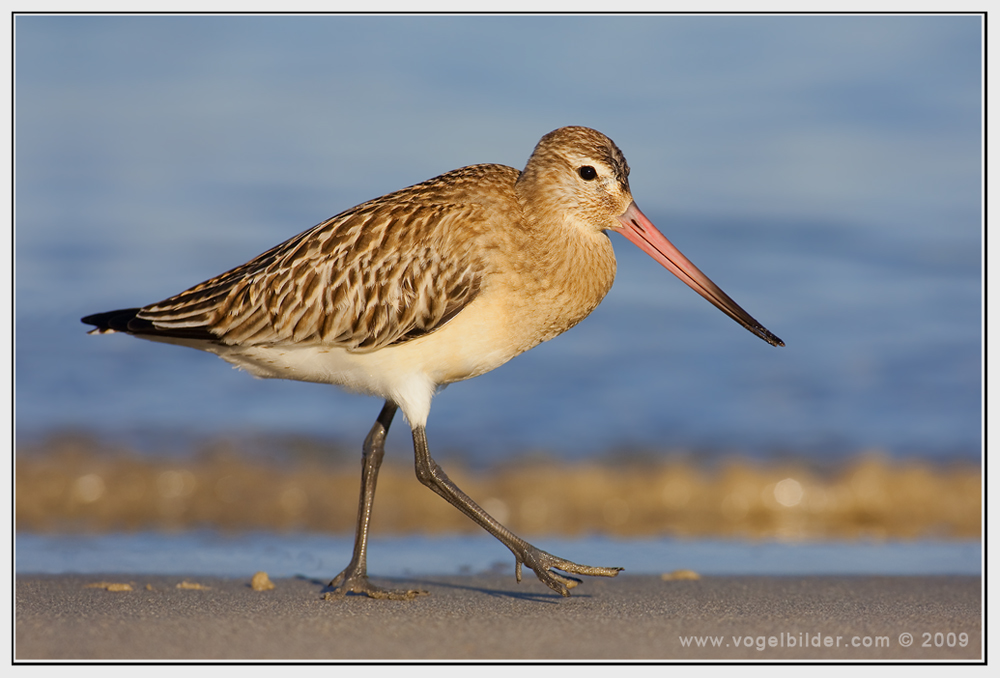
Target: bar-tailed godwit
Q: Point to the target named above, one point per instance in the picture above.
(432, 284)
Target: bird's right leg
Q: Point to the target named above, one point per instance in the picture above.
(542, 563)
(354, 578)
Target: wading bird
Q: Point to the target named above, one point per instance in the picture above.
(432, 284)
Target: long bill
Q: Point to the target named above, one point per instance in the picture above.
(640, 230)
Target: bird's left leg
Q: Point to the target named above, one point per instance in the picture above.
(543, 564)
(354, 578)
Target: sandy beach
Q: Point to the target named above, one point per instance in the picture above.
(75, 486)
(487, 617)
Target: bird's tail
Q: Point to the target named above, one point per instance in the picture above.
(111, 321)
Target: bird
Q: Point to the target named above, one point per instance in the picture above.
(430, 285)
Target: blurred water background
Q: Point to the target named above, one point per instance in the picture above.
(322, 556)
(826, 171)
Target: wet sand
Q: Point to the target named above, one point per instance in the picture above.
(82, 485)
(487, 617)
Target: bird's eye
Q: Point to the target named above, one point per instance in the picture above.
(587, 173)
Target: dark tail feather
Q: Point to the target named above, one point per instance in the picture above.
(125, 320)
(112, 321)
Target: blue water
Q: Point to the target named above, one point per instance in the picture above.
(824, 171)
(310, 555)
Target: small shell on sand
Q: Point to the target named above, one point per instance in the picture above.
(192, 585)
(261, 582)
(110, 586)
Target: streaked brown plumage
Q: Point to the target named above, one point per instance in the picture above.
(433, 284)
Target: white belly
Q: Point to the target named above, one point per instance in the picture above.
(408, 374)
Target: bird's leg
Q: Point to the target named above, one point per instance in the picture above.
(543, 564)
(354, 578)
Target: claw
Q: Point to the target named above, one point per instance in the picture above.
(343, 584)
(545, 565)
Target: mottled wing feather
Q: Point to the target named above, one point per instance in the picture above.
(382, 273)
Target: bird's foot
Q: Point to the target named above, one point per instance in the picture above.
(345, 583)
(544, 564)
